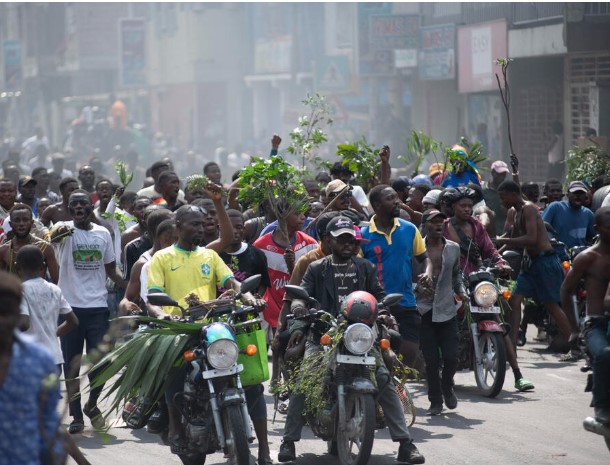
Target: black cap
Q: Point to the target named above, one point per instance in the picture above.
(25, 180)
(340, 225)
(576, 186)
(432, 213)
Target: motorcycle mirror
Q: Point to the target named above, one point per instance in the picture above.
(391, 299)
(510, 254)
(250, 284)
(161, 299)
(296, 292)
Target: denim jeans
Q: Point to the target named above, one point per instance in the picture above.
(596, 335)
(439, 339)
(388, 400)
(93, 324)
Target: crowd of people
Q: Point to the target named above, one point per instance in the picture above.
(84, 249)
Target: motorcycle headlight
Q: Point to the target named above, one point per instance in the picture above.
(485, 294)
(358, 338)
(222, 354)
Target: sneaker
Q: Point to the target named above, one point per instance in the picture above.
(435, 409)
(521, 339)
(94, 414)
(450, 399)
(408, 453)
(287, 452)
(77, 426)
(523, 384)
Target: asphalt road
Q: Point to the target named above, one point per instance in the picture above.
(539, 427)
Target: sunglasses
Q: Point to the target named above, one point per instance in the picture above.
(345, 239)
(332, 195)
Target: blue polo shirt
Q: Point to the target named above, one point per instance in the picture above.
(391, 254)
(574, 225)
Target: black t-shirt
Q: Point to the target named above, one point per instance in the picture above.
(249, 261)
(133, 251)
(346, 280)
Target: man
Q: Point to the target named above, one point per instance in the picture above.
(59, 211)
(141, 241)
(393, 242)
(553, 191)
(30, 145)
(414, 203)
(341, 195)
(330, 280)
(86, 176)
(499, 171)
(357, 197)
(168, 185)
(8, 194)
(154, 192)
(476, 246)
(462, 172)
(212, 171)
(572, 221)
(180, 270)
(593, 265)
(439, 333)
(41, 176)
(27, 193)
(21, 222)
(313, 189)
(86, 258)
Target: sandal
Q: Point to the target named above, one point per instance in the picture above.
(179, 446)
(572, 356)
(283, 407)
(95, 415)
(77, 426)
(523, 384)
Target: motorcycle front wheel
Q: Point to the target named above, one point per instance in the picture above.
(238, 448)
(355, 437)
(490, 373)
(195, 459)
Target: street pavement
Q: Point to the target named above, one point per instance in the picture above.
(539, 427)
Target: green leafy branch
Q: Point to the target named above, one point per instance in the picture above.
(362, 159)
(309, 135)
(587, 163)
(419, 146)
(124, 177)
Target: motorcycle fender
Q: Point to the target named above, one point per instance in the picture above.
(489, 326)
(361, 385)
(230, 396)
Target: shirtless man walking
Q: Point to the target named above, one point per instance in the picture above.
(593, 265)
(543, 277)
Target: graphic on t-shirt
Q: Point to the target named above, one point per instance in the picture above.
(87, 257)
(205, 269)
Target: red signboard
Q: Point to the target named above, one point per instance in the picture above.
(479, 47)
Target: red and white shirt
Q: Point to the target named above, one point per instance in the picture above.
(278, 270)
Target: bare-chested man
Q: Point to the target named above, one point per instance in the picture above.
(21, 220)
(542, 279)
(593, 265)
(59, 211)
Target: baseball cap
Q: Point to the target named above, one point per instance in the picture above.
(432, 197)
(340, 225)
(499, 166)
(336, 185)
(401, 183)
(435, 168)
(25, 180)
(358, 235)
(576, 186)
(430, 214)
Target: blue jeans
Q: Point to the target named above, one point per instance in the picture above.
(93, 324)
(596, 335)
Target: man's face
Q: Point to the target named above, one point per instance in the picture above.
(193, 194)
(139, 207)
(315, 208)
(507, 199)
(80, 207)
(8, 194)
(603, 228)
(344, 246)
(389, 203)
(210, 219)
(313, 189)
(168, 238)
(190, 227)
(21, 222)
(577, 199)
(462, 209)
(415, 199)
(86, 176)
(434, 227)
(295, 221)
(342, 203)
(532, 192)
(170, 187)
(104, 191)
(42, 178)
(28, 191)
(345, 176)
(498, 178)
(238, 230)
(213, 173)
(68, 189)
(554, 192)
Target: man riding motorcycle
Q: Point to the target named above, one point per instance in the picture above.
(330, 281)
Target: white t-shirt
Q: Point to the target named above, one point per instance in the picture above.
(44, 302)
(81, 258)
(144, 276)
(360, 196)
(152, 194)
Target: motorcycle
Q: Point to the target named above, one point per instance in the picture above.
(348, 419)
(481, 345)
(213, 404)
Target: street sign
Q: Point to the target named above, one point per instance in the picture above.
(391, 32)
(406, 58)
(12, 65)
(333, 74)
(132, 52)
(437, 56)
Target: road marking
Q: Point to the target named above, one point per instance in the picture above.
(559, 377)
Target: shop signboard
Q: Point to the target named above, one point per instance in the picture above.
(437, 55)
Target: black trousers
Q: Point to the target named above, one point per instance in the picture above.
(439, 340)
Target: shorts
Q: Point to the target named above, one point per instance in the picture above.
(409, 322)
(543, 279)
(257, 409)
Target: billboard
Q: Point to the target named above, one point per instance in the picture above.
(478, 48)
(132, 52)
(437, 52)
